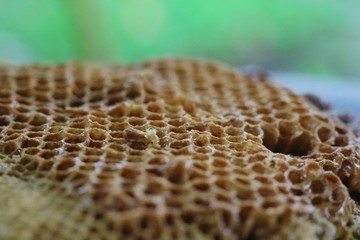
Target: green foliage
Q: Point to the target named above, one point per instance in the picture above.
(308, 36)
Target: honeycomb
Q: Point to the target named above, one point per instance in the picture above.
(170, 149)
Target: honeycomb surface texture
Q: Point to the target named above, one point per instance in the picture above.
(169, 149)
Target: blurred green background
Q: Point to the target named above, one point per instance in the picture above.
(318, 37)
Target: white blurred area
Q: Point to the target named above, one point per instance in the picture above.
(342, 94)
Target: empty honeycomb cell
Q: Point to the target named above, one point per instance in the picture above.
(155, 107)
(42, 98)
(324, 148)
(13, 136)
(177, 122)
(113, 100)
(268, 119)
(47, 154)
(301, 145)
(74, 139)
(65, 164)
(8, 147)
(120, 111)
(258, 168)
(92, 151)
(118, 126)
(347, 170)
(75, 113)
(316, 201)
(4, 121)
(18, 126)
(153, 189)
(54, 137)
(270, 204)
(52, 145)
(297, 176)
(252, 130)
(223, 198)
(245, 194)
(133, 91)
(340, 130)
(338, 196)
(90, 159)
(259, 157)
(128, 172)
(97, 121)
(284, 115)
(26, 143)
(324, 134)
(31, 151)
(43, 110)
(280, 177)
(331, 178)
(96, 98)
(219, 163)
(46, 166)
(155, 116)
(5, 93)
(98, 144)
(4, 109)
(96, 86)
(82, 124)
(328, 165)
(79, 92)
(346, 152)
(216, 131)
(232, 131)
(264, 111)
(117, 147)
(32, 166)
(263, 180)
(35, 134)
(313, 170)
(37, 128)
(97, 134)
(217, 140)
(219, 172)
(169, 149)
(22, 109)
(23, 92)
(75, 131)
(297, 192)
(5, 100)
(198, 127)
(178, 130)
(308, 122)
(341, 141)
(180, 136)
(200, 201)
(59, 94)
(322, 118)
(136, 121)
(280, 104)
(176, 171)
(118, 135)
(137, 111)
(60, 119)
(76, 103)
(71, 147)
(24, 101)
(271, 135)
(266, 192)
(136, 139)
